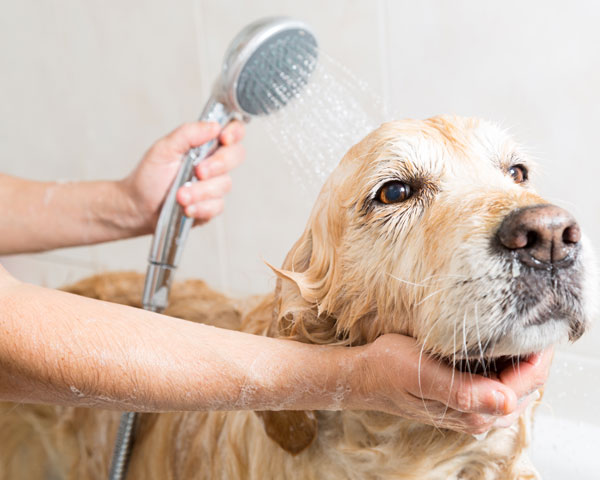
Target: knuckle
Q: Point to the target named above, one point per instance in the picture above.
(187, 127)
(464, 398)
(184, 130)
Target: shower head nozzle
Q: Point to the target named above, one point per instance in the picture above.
(266, 65)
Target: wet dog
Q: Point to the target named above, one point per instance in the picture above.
(427, 228)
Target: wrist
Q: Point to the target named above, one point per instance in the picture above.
(343, 370)
(358, 374)
(131, 216)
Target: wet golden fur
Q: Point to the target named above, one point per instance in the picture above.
(359, 270)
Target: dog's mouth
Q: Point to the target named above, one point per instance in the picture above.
(492, 366)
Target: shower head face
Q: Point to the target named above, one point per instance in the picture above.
(268, 64)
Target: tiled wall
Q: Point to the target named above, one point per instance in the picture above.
(86, 87)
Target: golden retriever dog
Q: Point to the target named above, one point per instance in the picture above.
(426, 228)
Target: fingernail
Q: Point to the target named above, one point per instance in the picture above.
(204, 171)
(189, 211)
(535, 359)
(505, 422)
(500, 400)
(185, 196)
(480, 436)
(532, 397)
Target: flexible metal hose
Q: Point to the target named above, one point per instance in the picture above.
(122, 450)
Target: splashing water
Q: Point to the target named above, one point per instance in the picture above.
(328, 115)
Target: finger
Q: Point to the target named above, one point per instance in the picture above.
(440, 415)
(473, 423)
(197, 192)
(508, 420)
(462, 391)
(232, 133)
(189, 135)
(222, 161)
(477, 424)
(206, 210)
(528, 375)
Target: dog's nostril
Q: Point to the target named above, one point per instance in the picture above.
(572, 234)
(532, 239)
(540, 235)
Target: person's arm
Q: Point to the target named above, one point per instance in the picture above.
(61, 348)
(40, 216)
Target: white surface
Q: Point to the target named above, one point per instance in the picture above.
(566, 433)
(563, 449)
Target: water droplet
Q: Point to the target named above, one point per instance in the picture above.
(322, 119)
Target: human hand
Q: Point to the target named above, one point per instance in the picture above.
(147, 186)
(395, 377)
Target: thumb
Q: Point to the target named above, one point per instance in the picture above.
(462, 391)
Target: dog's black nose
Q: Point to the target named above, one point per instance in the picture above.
(542, 235)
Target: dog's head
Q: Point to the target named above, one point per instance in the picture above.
(432, 229)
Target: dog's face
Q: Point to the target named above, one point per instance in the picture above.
(432, 229)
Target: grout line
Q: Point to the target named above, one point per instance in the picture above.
(201, 46)
(383, 40)
(220, 228)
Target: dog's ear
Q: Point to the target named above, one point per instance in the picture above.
(306, 293)
(300, 313)
(292, 430)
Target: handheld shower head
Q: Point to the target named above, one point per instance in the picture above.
(266, 66)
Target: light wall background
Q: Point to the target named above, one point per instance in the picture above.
(87, 87)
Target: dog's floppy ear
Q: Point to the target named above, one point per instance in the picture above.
(306, 295)
(292, 430)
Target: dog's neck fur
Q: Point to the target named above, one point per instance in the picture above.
(369, 440)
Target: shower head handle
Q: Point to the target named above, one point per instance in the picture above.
(173, 226)
(265, 66)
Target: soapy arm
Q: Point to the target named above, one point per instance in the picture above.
(60, 348)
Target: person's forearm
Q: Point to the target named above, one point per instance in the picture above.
(60, 348)
(40, 216)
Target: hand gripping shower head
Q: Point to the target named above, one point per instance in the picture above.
(265, 66)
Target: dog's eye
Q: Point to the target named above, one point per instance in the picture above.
(518, 173)
(394, 192)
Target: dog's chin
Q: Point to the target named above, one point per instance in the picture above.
(516, 345)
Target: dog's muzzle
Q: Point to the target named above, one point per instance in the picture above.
(541, 236)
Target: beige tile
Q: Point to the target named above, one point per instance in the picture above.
(45, 271)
